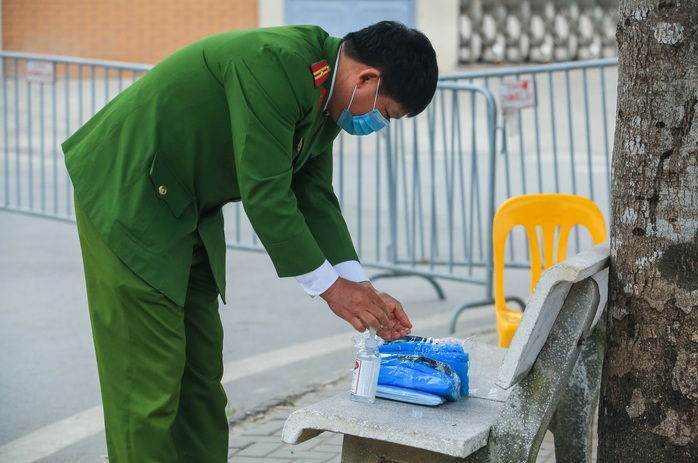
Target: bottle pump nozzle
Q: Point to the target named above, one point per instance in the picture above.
(371, 341)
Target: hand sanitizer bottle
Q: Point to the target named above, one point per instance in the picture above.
(366, 368)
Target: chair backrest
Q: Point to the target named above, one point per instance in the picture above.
(555, 214)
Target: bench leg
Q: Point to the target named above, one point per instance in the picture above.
(573, 422)
(364, 450)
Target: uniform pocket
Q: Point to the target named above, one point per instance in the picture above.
(167, 185)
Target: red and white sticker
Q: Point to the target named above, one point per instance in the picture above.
(517, 95)
(41, 71)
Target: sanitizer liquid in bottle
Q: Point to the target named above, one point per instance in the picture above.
(366, 368)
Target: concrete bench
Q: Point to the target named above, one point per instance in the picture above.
(548, 378)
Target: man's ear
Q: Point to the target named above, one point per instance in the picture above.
(366, 75)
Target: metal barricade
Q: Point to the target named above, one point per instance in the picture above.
(44, 100)
(419, 197)
(561, 144)
(438, 197)
(560, 141)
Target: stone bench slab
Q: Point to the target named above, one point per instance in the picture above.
(454, 428)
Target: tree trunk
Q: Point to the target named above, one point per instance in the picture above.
(649, 404)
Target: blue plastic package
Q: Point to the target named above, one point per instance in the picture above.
(449, 353)
(412, 396)
(420, 374)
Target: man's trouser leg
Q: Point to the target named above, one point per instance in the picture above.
(160, 364)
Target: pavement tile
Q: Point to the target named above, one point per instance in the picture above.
(237, 459)
(313, 455)
(259, 449)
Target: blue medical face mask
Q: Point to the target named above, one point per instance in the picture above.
(364, 124)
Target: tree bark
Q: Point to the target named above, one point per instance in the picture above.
(649, 393)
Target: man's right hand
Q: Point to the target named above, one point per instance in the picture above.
(358, 304)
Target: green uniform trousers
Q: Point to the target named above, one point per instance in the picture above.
(160, 365)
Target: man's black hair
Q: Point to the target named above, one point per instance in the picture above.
(405, 59)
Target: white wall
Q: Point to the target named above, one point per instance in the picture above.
(438, 19)
(271, 13)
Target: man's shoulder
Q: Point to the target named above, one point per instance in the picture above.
(296, 51)
(283, 37)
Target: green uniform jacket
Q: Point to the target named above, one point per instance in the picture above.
(237, 116)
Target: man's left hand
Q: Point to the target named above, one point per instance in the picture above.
(399, 324)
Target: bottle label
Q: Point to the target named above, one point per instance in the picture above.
(365, 378)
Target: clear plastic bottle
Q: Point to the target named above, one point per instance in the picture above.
(366, 368)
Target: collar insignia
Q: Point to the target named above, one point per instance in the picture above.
(321, 71)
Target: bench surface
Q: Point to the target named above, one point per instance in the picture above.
(453, 428)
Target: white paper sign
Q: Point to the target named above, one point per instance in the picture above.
(41, 71)
(517, 95)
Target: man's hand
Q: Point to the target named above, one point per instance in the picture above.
(399, 324)
(364, 307)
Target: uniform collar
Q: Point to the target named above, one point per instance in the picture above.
(333, 47)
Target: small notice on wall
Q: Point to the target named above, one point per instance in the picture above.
(517, 95)
(41, 71)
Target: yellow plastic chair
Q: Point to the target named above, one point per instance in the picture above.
(549, 213)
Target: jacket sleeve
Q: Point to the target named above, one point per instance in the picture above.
(320, 207)
(267, 98)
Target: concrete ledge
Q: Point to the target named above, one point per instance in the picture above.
(454, 428)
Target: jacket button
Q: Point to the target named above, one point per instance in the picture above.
(162, 189)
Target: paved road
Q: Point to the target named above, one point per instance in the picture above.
(279, 343)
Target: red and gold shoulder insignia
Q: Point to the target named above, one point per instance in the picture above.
(321, 71)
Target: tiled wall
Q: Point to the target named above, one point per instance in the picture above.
(140, 31)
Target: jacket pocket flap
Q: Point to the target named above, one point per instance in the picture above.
(167, 186)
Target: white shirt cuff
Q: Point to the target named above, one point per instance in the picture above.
(351, 270)
(319, 280)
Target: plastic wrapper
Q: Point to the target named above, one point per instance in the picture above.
(444, 351)
(420, 374)
(412, 396)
